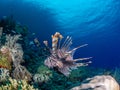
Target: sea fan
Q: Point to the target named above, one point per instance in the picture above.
(61, 56)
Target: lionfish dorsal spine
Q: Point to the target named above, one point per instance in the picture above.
(64, 42)
(55, 38)
(61, 37)
(68, 44)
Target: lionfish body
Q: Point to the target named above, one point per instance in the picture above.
(62, 57)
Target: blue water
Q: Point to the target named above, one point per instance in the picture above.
(95, 22)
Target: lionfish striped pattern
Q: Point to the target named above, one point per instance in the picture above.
(61, 56)
(55, 38)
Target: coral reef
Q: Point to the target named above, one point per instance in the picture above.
(11, 51)
(23, 60)
(20, 72)
(12, 37)
(14, 53)
(62, 57)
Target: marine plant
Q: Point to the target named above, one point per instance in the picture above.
(61, 56)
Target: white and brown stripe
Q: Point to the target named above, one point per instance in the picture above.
(55, 38)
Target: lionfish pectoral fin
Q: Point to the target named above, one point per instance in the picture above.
(81, 59)
(83, 64)
(77, 48)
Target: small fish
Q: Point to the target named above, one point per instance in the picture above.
(33, 34)
(1, 31)
(46, 43)
(13, 31)
(31, 43)
(36, 41)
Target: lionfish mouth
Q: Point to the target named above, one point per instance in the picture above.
(62, 57)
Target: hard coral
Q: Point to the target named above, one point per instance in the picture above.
(103, 82)
(17, 85)
(61, 56)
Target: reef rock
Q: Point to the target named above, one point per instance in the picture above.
(104, 82)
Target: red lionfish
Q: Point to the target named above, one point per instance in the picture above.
(61, 56)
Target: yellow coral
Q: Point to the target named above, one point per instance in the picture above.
(4, 62)
(17, 85)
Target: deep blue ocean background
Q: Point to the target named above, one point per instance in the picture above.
(95, 22)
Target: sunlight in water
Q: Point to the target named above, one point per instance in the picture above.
(82, 16)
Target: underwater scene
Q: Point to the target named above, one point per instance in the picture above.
(59, 44)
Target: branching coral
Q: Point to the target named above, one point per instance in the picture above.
(61, 56)
(11, 42)
(17, 85)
